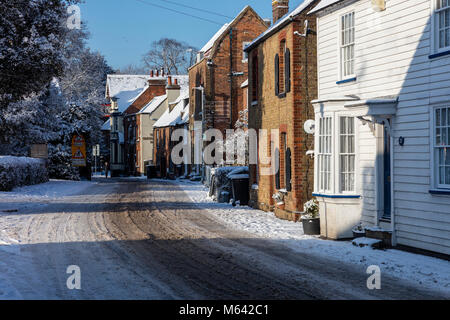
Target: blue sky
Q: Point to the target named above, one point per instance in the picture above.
(123, 30)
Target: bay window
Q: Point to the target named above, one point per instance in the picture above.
(336, 155)
(347, 154)
(442, 146)
(325, 153)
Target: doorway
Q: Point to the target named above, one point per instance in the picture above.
(387, 170)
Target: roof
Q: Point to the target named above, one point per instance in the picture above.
(225, 28)
(279, 24)
(178, 116)
(323, 4)
(211, 41)
(153, 105)
(126, 88)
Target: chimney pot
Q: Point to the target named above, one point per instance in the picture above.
(157, 73)
(170, 80)
(152, 73)
(176, 81)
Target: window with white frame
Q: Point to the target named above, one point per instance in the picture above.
(347, 28)
(347, 154)
(442, 24)
(245, 55)
(325, 153)
(442, 146)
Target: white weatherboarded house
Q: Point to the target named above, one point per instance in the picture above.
(383, 119)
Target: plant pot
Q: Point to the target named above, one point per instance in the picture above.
(311, 227)
(358, 234)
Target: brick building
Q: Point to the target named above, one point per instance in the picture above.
(133, 147)
(140, 116)
(222, 66)
(282, 82)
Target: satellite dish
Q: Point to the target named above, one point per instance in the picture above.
(310, 126)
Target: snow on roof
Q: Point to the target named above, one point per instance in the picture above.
(221, 31)
(179, 115)
(126, 88)
(153, 105)
(117, 83)
(106, 126)
(323, 4)
(280, 22)
(211, 41)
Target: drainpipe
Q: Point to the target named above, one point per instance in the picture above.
(231, 78)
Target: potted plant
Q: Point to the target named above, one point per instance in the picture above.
(359, 231)
(311, 218)
(279, 200)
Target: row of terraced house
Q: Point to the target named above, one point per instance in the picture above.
(358, 92)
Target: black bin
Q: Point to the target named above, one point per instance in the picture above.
(240, 188)
(151, 171)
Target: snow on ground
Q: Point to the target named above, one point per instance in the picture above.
(46, 191)
(423, 271)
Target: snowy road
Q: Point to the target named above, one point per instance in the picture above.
(135, 239)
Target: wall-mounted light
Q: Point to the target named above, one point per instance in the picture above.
(379, 5)
(401, 141)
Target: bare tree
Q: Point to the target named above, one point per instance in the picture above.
(132, 69)
(171, 55)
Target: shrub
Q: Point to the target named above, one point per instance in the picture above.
(21, 171)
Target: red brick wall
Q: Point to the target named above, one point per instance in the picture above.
(216, 80)
(288, 113)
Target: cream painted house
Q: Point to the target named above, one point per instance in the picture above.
(382, 139)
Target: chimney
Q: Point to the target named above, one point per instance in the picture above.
(172, 91)
(279, 9)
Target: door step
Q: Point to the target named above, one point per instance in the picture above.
(368, 242)
(378, 233)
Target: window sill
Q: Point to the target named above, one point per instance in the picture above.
(442, 192)
(439, 54)
(353, 79)
(335, 196)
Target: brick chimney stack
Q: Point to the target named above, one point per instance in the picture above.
(279, 9)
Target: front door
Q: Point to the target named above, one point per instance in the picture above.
(387, 174)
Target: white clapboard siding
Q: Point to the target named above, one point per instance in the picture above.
(392, 52)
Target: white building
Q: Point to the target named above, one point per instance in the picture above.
(383, 119)
(122, 91)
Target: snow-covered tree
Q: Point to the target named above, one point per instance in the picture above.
(65, 99)
(32, 33)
